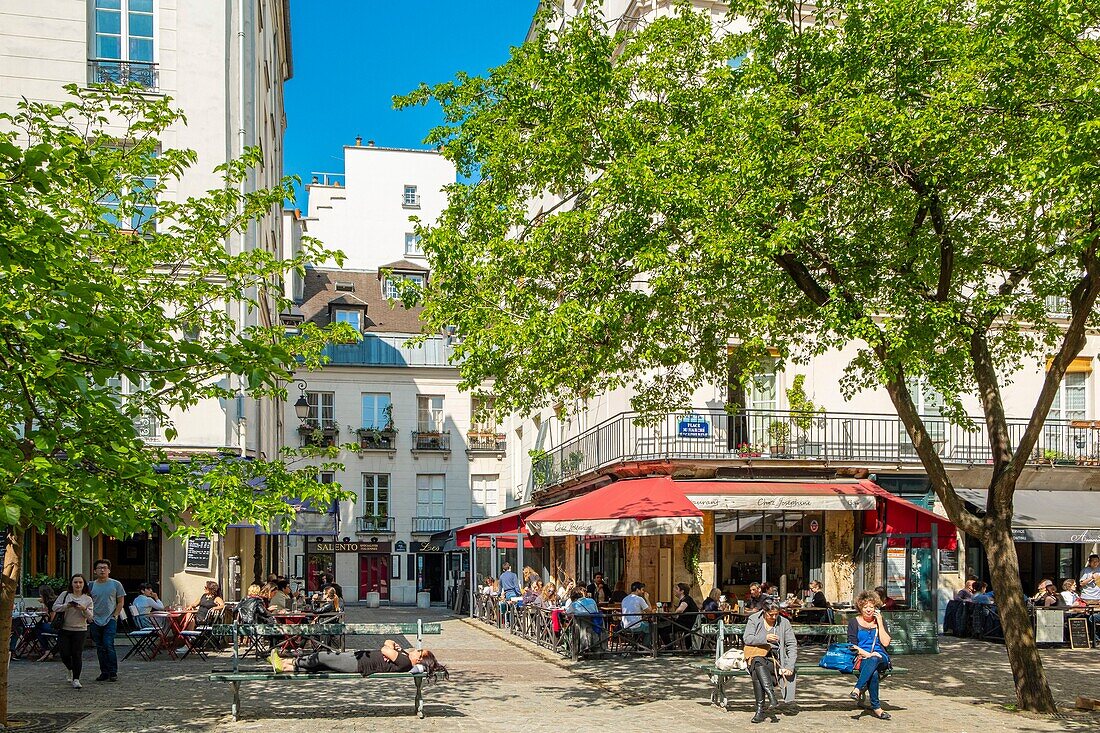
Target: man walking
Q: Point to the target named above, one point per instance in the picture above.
(108, 598)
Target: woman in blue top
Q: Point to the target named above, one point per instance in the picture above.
(868, 636)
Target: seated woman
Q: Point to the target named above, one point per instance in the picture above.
(1046, 596)
(685, 611)
(868, 636)
(771, 651)
(279, 600)
(390, 658)
(710, 607)
(820, 601)
(46, 626)
(331, 604)
(210, 605)
(253, 609)
(887, 603)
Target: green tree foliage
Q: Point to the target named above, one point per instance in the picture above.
(915, 178)
(117, 305)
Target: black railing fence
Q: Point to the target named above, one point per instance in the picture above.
(780, 434)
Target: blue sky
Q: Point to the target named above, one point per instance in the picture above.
(350, 58)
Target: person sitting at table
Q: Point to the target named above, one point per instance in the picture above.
(685, 611)
(983, 594)
(548, 598)
(279, 600)
(966, 593)
(531, 593)
(1046, 596)
(390, 658)
(490, 587)
(710, 608)
(146, 602)
(530, 577)
(754, 601)
(327, 580)
(888, 603)
(210, 602)
(598, 589)
(253, 609)
(1069, 593)
(618, 594)
(633, 606)
(819, 601)
(46, 625)
(331, 603)
(771, 652)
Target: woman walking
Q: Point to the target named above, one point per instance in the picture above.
(868, 636)
(771, 652)
(74, 609)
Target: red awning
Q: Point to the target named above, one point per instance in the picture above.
(805, 496)
(896, 516)
(630, 507)
(510, 523)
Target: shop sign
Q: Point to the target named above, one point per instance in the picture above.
(814, 526)
(788, 502)
(400, 546)
(897, 575)
(693, 426)
(372, 547)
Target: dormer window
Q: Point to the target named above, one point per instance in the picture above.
(351, 316)
(389, 284)
(343, 287)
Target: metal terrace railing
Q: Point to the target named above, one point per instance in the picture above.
(780, 435)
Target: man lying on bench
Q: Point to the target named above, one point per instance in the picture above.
(390, 658)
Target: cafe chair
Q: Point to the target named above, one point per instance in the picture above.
(143, 636)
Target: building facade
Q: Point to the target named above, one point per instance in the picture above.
(224, 66)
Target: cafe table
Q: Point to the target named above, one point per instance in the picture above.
(171, 625)
(291, 641)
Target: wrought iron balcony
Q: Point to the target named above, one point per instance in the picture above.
(372, 524)
(430, 525)
(323, 434)
(114, 71)
(377, 438)
(479, 441)
(779, 435)
(436, 441)
(410, 201)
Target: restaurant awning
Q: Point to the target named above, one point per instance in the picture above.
(1072, 517)
(806, 496)
(631, 507)
(507, 525)
(896, 516)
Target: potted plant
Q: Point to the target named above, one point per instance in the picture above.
(804, 413)
(388, 431)
(779, 434)
(748, 450)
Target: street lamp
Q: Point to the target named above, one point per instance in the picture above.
(301, 407)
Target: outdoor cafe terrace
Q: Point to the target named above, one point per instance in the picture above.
(823, 439)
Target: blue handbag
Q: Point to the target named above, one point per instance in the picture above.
(839, 657)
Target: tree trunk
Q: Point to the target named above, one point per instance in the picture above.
(8, 584)
(1032, 691)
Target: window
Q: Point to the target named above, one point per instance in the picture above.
(123, 43)
(342, 287)
(429, 411)
(146, 423)
(139, 210)
(929, 404)
(376, 407)
(410, 199)
(351, 316)
(322, 409)
(376, 494)
(429, 494)
(1069, 402)
(412, 245)
(481, 415)
(1057, 305)
(484, 502)
(389, 284)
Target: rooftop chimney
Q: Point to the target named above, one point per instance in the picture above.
(370, 143)
(358, 141)
(315, 179)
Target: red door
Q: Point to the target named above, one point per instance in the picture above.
(374, 576)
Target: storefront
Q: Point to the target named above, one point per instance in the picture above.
(358, 567)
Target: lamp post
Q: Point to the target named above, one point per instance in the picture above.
(301, 407)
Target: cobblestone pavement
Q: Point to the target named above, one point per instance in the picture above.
(502, 683)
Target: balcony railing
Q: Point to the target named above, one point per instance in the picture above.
(411, 201)
(114, 71)
(374, 525)
(376, 438)
(431, 440)
(430, 525)
(323, 434)
(487, 442)
(782, 435)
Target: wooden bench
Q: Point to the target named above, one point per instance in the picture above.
(722, 676)
(236, 675)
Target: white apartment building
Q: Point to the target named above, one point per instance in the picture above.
(224, 65)
(423, 464)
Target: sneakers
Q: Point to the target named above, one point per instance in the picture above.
(69, 676)
(103, 677)
(76, 684)
(276, 662)
(113, 678)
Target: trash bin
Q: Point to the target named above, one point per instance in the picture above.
(373, 599)
(423, 599)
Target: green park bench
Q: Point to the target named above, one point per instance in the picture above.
(237, 632)
(721, 677)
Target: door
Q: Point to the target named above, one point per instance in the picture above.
(921, 580)
(430, 575)
(374, 576)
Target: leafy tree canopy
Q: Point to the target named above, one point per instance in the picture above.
(117, 304)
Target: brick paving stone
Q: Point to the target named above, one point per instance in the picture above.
(501, 683)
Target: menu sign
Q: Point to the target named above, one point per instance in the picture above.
(897, 575)
(949, 561)
(1078, 633)
(198, 554)
(911, 632)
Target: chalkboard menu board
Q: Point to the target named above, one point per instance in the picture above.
(949, 561)
(1078, 633)
(198, 554)
(912, 632)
